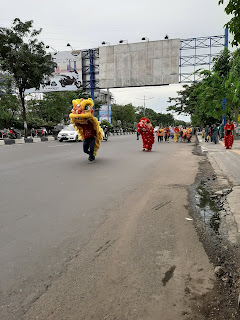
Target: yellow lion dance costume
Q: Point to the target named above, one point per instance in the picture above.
(82, 113)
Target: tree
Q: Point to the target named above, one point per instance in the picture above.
(125, 114)
(25, 58)
(9, 103)
(203, 100)
(54, 107)
(233, 9)
(233, 87)
(106, 123)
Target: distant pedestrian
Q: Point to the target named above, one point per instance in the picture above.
(32, 132)
(207, 133)
(180, 135)
(221, 132)
(184, 135)
(171, 132)
(215, 134)
(166, 133)
(176, 134)
(160, 134)
(189, 134)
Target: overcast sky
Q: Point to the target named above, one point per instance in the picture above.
(85, 24)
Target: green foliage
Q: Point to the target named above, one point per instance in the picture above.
(155, 118)
(203, 100)
(9, 103)
(24, 57)
(233, 9)
(54, 108)
(125, 114)
(106, 123)
(181, 123)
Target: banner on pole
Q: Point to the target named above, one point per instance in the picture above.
(105, 113)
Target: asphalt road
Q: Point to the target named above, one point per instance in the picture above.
(108, 240)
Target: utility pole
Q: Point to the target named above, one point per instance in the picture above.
(144, 103)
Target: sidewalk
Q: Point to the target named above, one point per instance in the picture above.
(226, 164)
(228, 161)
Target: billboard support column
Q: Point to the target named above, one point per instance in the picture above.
(92, 75)
(224, 99)
(108, 102)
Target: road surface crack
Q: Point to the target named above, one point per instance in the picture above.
(159, 206)
(103, 248)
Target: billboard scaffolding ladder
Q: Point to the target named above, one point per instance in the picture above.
(198, 52)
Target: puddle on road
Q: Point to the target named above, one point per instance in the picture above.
(207, 208)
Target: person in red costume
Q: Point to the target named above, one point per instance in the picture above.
(228, 134)
(145, 128)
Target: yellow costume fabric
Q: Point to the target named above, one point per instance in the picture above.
(176, 136)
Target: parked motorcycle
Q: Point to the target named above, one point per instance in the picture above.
(14, 134)
(105, 132)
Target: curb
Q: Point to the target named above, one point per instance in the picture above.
(233, 201)
(9, 141)
(25, 140)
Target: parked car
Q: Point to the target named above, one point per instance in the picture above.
(68, 133)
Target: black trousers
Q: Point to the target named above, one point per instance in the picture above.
(88, 147)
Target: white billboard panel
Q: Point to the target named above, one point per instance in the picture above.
(66, 77)
(152, 63)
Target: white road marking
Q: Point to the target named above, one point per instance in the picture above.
(59, 145)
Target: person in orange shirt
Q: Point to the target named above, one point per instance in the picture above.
(176, 134)
(184, 135)
(160, 132)
(189, 134)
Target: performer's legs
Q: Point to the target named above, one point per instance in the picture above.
(86, 146)
(91, 146)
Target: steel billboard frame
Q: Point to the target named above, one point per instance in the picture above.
(190, 57)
